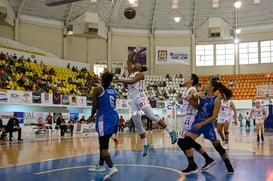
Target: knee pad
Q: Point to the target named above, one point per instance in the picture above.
(196, 146)
(138, 124)
(150, 114)
(185, 143)
(226, 132)
(219, 148)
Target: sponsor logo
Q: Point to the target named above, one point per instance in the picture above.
(179, 56)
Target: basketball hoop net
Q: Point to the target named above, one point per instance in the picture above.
(108, 10)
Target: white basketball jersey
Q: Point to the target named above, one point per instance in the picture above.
(136, 89)
(188, 113)
(258, 113)
(187, 108)
(225, 111)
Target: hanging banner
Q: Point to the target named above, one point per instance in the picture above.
(20, 116)
(122, 104)
(46, 98)
(82, 101)
(20, 97)
(140, 56)
(56, 98)
(36, 97)
(172, 55)
(89, 100)
(3, 96)
(73, 100)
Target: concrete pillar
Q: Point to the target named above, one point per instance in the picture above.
(193, 54)
(109, 51)
(152, 54)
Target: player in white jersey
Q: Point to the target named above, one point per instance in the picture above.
(260, 116)
(188, 117)
(224, 118)
(139, 102)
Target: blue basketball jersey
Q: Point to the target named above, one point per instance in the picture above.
(206, 107)
(107, 117)
(205, 111)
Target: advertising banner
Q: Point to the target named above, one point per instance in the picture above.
(172, 55)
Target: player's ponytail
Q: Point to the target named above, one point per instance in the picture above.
(224, 91)
(106, 79)
(143, 69)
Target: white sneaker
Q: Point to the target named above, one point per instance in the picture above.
(96, 169)
(110, 173)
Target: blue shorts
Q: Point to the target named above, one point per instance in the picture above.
(107, 124)
(208, 130)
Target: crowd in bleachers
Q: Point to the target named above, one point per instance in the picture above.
(20, 73)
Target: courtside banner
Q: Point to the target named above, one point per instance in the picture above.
(3, 96)
(74, 100)
(122, 104)
(47, 98)
(20, 97)
(82, 101)
(172, 55)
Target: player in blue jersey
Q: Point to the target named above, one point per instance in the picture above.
(107, 119)
(208, 108)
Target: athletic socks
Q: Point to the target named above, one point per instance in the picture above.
(206, 156)
(169, 130)
(262, 137)
(109, 162)
(144, 141)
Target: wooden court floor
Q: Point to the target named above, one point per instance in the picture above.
(68, 158)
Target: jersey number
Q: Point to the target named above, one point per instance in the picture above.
(112, 101)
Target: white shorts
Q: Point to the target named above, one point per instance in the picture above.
(259, 121)
(222, 120)
(137, 104)
(187, 121)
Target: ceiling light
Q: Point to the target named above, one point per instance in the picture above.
(237, 4)
(131, 1)
(177, 19)
(70, 32)
(238, 31)
(236, 40)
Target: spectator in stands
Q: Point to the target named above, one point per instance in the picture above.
(123, 74)
(180, 76)
(49, 118)
(68, 66)
(74, 69)
(61, 124)
(247, 120)
(2, 56)
(82, 120)
(13, 125)
(132, 125)
(35, 61)
(2, 129)
(121, 124)
(167, 76)
(71, 126)
(14, 56)
(42, 63)
(240, 118)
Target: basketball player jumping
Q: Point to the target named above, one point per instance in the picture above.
(107, 119)
(224, 117)
(260, 116)
(139, 101)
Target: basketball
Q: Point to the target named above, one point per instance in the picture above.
(130, 13)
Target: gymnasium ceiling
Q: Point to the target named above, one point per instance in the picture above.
(157, 14)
